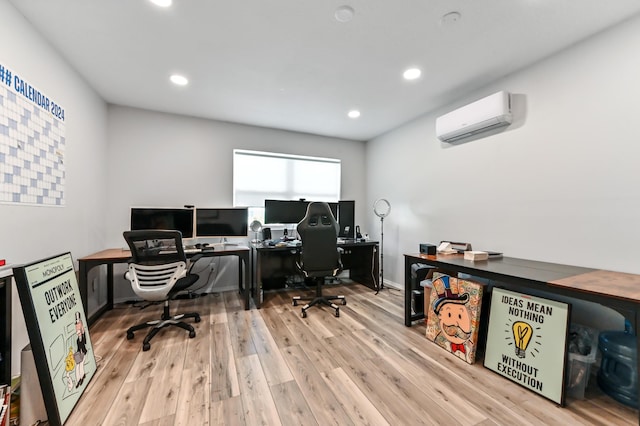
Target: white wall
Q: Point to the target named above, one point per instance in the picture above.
(163, 160)
(559, 185)
(29, 232)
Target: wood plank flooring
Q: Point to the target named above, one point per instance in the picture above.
(269, 366)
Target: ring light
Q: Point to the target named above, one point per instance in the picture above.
(381, 208)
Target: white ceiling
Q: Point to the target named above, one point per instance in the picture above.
(289, 64)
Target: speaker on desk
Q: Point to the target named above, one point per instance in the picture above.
(427, 248)
(266, 233)
(347, 218)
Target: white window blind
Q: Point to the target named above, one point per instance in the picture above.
(261, 175)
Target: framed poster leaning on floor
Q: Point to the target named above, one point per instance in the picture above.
(60, 343)
(527, 341)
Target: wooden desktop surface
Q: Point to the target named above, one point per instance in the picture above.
(123, 254)
(599, 283)
(111, 256)
(108, 254)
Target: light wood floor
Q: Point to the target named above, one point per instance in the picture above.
(270, 366)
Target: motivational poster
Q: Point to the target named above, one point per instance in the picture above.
(55, 321)
(526, 341)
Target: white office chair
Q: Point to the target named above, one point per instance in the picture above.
(158, 272)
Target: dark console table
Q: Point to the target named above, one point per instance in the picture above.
(618, 290)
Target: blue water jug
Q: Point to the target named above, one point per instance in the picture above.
(618, 374)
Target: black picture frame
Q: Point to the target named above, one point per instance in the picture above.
(55, 320)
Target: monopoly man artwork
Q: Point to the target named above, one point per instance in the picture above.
(454, 315)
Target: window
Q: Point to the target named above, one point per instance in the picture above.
(266, 175)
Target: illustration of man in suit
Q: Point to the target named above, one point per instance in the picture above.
(81, 343)
(454, 318)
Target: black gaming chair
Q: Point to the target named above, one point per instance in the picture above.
(320, 256)
(158, 272)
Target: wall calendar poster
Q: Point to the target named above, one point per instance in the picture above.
(60, 342)
(527, 341)
(32, 143)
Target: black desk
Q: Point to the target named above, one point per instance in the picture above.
(110, 257)
(618, 290)
(272, 264)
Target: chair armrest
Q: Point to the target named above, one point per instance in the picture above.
(193, 260)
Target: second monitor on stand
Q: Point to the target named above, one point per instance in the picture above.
(292, 212)
(346, 219)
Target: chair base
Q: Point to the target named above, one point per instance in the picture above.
(165, 321)
(319, 299)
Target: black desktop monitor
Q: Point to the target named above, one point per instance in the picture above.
(289, 211)
(284, 211)
(163, 218)
(347, 219)
(229, 222)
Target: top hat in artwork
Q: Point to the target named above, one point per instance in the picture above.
(448, 292)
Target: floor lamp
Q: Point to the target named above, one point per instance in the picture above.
(381, 208)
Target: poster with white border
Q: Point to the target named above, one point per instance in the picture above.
(527, 341)
(60, 342)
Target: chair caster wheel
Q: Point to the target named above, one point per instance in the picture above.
(146, 347)
(129, 335)
(197, 318)
(192, 334)
(344, 301)
(295, 303)
(338, 312)
(304, 314)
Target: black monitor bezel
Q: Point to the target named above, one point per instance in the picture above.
(186, 219)
(289, 211)
(239, 227)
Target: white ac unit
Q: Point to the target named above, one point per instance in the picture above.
(480, 116)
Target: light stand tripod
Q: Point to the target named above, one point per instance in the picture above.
(381, 208)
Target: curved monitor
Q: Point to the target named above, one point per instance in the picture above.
(163, 218)
(289, 211)
(228, 222)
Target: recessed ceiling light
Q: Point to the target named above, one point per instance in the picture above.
(412, 73)
(344, 13)
(354, 113)
(179, 80)
(162, 3)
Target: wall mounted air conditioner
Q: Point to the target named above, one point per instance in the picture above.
(477, 117)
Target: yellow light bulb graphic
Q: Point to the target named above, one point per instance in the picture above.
(522, 333)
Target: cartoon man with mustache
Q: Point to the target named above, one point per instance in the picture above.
(454, 318)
